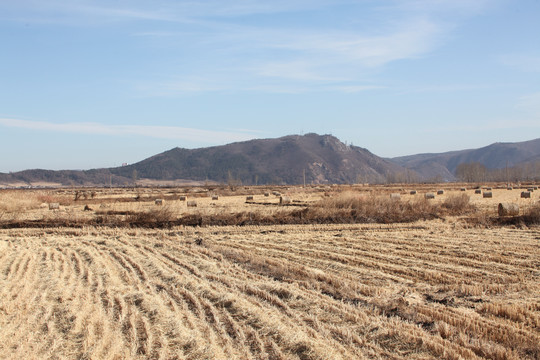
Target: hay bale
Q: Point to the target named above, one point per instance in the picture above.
(249, 198)
(463, 189)
(487, 194)
(526, 194)
(530, 189)
(535, 187)
(276, 193)
(395, 196)
(509, 188)
(54, 206)
(488, 188)
(413, 192)
(284, 200)
(158, 202)
(182, 198)
(266, 194)
(508, 209)
(192, 203)
(440, 192)
(215, 197)
(477, 191)
(429, 195)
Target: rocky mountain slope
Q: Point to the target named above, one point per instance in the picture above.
(321, 159)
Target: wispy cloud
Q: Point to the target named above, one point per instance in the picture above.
(442, 7)
(162, 132)
(491, 125)
(301, 60)
(73, 12)
(223, 49)
(407, 40)
(523, 62)
(530, 104)
(302, 70)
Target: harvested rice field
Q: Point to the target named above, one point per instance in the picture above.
(427, 290)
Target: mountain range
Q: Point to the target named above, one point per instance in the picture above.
(293, 159)
(495, 156)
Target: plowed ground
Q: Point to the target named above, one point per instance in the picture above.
(429, 290)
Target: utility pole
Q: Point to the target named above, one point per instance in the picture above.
(304, 178)
(507, 180)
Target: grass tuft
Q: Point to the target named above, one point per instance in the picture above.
(457, 204)
(532, 215)
(162, 217)
(349, 207)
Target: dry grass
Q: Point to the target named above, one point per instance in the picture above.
(429, 290)
(130, 279)
(532, 215)
(457, 204)
(355, 208)
(304, 208)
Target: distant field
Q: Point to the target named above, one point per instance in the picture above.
(442, 288)
(120, 206)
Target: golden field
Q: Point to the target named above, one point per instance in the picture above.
(454, 286)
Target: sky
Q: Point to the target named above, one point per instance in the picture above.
(92, 84)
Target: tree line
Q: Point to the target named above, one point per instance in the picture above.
(477, 172)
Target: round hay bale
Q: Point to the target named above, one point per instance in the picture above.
(413, 192)
(284, 200)
(488, 188)
(192, 203)
(215, 197)
(509, 188)
(508, 209)
(182, 198)
(429, 195)
(477, 191)
(535, 187)
(463, 189)
(54, 206)
(530, 189)
(487, 194)
(526, 194)
(266, 194)
(440, 192)
(158, 201)
(249, 198)
(395, 196)
(276, 193)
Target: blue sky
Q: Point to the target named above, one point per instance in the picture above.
(89, 84)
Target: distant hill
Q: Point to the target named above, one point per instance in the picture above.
(494, 156)
(322, 159)
(36, 177)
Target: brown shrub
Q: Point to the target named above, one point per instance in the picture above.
(457, 204)
(159, 217)
(532, 215)
(371, 209)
